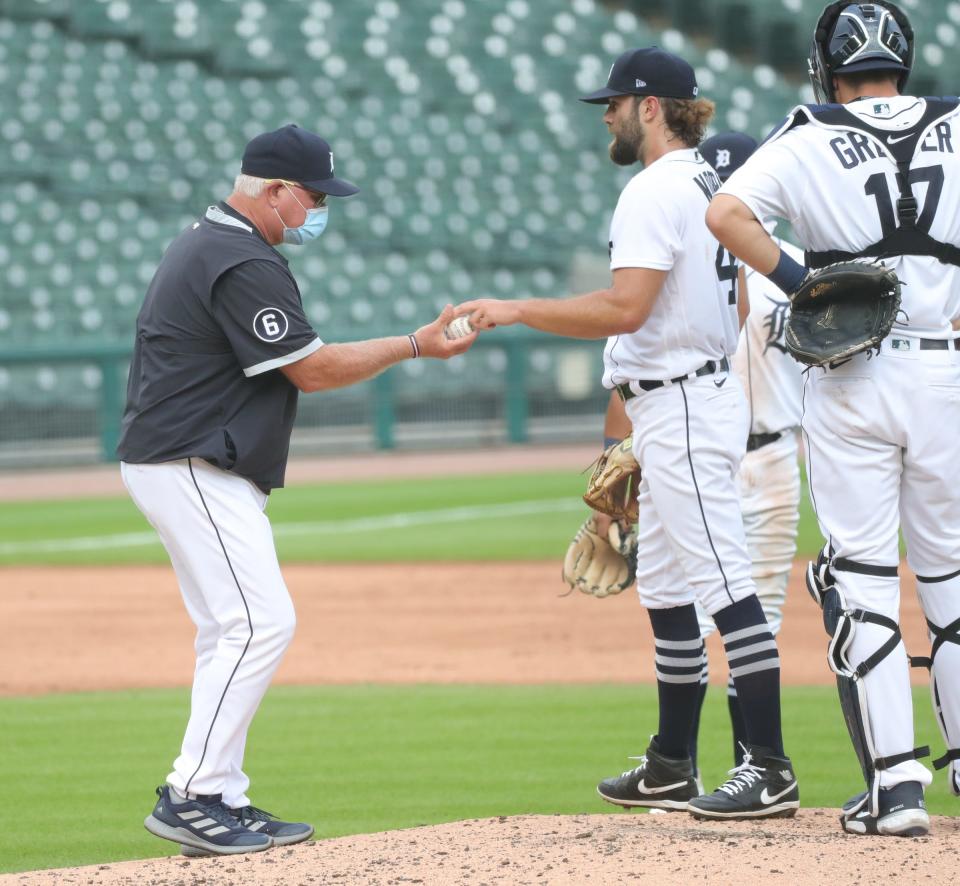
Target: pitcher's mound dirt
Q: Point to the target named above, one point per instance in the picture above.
(540, 849)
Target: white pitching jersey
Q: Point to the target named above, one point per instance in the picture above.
(659, 224)
(771, 378)
(838, 190)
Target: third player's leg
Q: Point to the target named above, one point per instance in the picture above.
(769, 485)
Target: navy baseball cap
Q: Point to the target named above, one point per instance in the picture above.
(649, 71)
(298, 156)
(727, 152)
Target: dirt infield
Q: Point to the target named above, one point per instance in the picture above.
(93, 628)
(125, 627)
(562, 850)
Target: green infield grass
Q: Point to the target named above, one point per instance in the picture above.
(78, 770)
(496, 517)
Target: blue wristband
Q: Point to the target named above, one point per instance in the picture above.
(787, 275)
(610, 441)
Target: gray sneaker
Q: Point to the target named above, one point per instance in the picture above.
(658, 782)
(203, 823)
(283, 833)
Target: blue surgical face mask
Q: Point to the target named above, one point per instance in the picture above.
(313, 225)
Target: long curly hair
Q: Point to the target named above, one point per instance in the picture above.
(687, 118)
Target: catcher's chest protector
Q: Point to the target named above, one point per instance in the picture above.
(907, 233)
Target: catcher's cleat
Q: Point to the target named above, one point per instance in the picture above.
(763, 786)
(658, 783)
(902, 813)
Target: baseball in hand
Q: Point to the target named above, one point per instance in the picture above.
(458, 328)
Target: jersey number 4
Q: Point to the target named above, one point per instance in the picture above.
(726, 266)
(878, 187)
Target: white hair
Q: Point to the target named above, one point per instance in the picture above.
(249, 185)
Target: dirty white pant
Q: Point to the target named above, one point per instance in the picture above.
(220, 543)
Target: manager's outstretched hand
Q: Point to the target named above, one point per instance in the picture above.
(432, 341)
(486, 313)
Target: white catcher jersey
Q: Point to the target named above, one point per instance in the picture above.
(659, 224)
(771, 378)
(838, 190)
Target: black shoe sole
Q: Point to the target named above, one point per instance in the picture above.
(668, 805)
(744, 815)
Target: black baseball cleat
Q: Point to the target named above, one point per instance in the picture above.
(658, 782)
(763, 786)
(902, 813)
(202, 823)
(283, 833)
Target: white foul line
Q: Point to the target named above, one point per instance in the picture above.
(322, 527)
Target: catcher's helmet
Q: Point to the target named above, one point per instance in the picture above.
(852, 37)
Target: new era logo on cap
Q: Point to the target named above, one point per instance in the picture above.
(648, 71)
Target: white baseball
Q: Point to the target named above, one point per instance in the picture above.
(458, 328)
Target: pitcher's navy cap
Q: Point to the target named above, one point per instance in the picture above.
(727, 152)
(296, 155)
(649, 71)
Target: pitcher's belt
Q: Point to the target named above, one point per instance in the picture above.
(711, 367)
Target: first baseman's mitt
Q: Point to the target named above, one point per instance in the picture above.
(841, 310)
(612, 489)
(601, 565)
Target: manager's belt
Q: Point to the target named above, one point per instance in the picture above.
(755, 441)
(709, 368)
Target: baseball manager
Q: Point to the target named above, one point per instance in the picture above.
(223, 347)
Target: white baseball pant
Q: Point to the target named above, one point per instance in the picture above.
(214, 528)
(689, 439)
(882, 452)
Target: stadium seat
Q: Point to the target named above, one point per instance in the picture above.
(480, 173)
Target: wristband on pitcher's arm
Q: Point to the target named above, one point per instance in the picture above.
(787, 275)
(611, 441)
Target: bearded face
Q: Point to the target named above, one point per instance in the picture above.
(627, 145)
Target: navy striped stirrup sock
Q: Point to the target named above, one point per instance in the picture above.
(679, 664)
(755, 668)
(701, 697)
(736, 723)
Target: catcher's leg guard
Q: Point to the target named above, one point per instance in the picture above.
(840, 622)
(940, 598)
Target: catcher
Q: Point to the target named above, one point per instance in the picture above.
(873, 175)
